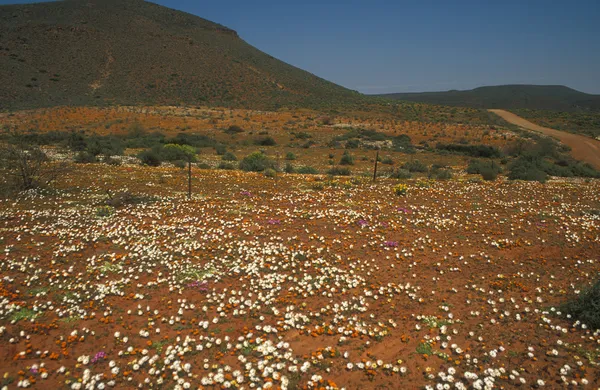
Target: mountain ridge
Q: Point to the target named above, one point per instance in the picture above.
(509, 96)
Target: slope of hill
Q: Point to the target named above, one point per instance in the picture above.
(536, 97)
(82, 52)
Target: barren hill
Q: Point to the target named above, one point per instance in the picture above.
(83, 52)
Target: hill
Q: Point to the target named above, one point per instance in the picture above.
(98, 52)
(535, 97)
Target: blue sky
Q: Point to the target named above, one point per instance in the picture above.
(407, 46)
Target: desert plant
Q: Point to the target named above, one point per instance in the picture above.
(306, 170)
(256, 162)
(401, 173)
(290, 156)
(267, 141)
(228, 156)
(347, 159)
(85, 157)
(226, 166)
(585, 307)
(415, 166)
(270, 172)
(28, 167)
(150, 158)
(400, 189)
(339, 171)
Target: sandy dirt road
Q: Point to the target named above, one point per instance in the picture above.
(582, 148)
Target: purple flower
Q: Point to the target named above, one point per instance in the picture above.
(385, 224)
(201, 285)
(34, 370)
(404, 210)
(98, 356)
(246, 193)
(391, 244)
(362, 223)
(273, 222)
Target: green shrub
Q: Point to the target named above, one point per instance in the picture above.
(176, 152)
(401, 173)
(527, 168)
(229, 157)
(234, 129)
(387, 160)
(347, 159)
(256, 162)
(339, 171)
(85, 158)
(486, 151)
(150, 158)
(443, 174)
(585, 307)
(111, 161)
(179, 164)
(267, 141)
(290, 156)
(270, 172)
(220, 149)
(289, 168)
(352, 144)
(226, 166)
(306, 170)
(489, 170)
(415, 166)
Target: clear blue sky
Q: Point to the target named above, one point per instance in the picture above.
(404, 46)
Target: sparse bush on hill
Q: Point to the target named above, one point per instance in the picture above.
(256, 162)
(489, 170)
(226, 166)
(269, 172)
(290, 156)
(234, 129)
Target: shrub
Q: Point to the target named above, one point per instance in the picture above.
(352, 144)
(176, 152)
(585, 307)
(226, 166)
(256, 162)
(229, 157)
(443, 174)
(347, 159)
(179, 164)
(339, 171)
(306, 170)
(486, 151)
(489, 174)
(104, 211)
(387, 160)
(85, 158)
(270, 172)
(150, 158)
(290, 156)
(289, 168)
(220, 149)
(234, 129)
(401, 173)
(267, 141)
(27, 168)
(415, 166)
(527, 168)
(111, 161)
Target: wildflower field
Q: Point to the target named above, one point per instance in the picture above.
(296, 281)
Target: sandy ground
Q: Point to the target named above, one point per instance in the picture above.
(583, 148)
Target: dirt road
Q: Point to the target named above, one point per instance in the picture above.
(582, 148)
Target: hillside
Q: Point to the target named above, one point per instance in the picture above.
(535, 97)
(84, 52)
